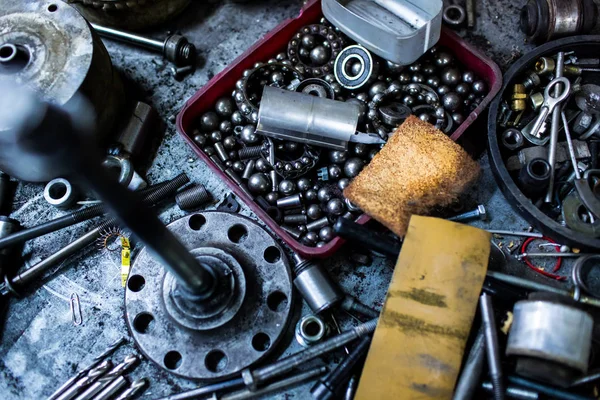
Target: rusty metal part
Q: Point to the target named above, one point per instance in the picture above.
(130, 14)
(57, 55)
(544, 20)
(138, 131)
(239, 326)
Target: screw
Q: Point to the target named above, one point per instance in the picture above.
(254, 378)
(351, 304)
(479, 213)
(180, 72)
(491, 342)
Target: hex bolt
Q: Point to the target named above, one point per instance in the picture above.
(290, 201)
(192, 198)
(327, 387)
(491, 344)
(174, 48)
(181, 72)
(479, 213)
(254, 378)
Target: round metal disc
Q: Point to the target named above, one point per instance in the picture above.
(242, 339)
(57, 42)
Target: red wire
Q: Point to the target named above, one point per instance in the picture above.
(539, 270)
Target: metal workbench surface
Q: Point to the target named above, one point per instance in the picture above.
(41, 348)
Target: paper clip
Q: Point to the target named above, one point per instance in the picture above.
(76, 309)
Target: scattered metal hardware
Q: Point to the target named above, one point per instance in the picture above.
(181, 72)
(513, 392)
(355, 68)
(223, 330)
(311, 120)
(591, 377)
(394, 114)
(314, 49)
(193, 197)
(409, 31)
(535, 177)
(528, 255)
(229, 204)
(471, 373)
(315, 286)
(106, 381)
(491, 345)
(311, 330)
(97, 360)
(175, 48)
(551, 339)
(577, 273)
(122, 170)
(526, 155)
(551, 101)
(479, 213)
(60, 193)
(556, 114)
(136, 388)
(75, 305)
(253, 379)
(136, 135)
(8, 226)
(350, 392)
(89, 378)
(454, 15)
(56, 55)
(328, 386)
(543, 20)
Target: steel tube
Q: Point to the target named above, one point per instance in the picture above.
(128, 37)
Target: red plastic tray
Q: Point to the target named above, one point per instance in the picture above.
(276, 42)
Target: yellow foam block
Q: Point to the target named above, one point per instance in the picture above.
(420, 339)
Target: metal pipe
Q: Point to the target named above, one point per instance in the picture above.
(471, 372)
(560, 64)
(513, 392)
(515, 233)
(128, 37)
(206, 390)
(547, 390)
(491, 345)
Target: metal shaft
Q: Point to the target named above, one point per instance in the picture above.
(350, 304)
(277, 386)
(134, 389)
(97, 360)
(478, 213)
(471, 372)
(112, 388)
(91, 377)
(548, 391)
(570, 146)
(560, 64)
(491, 344)
(206, 390)
(254, 378)
(108, 379)
(128, 37)
(513, 392)
(351, 389)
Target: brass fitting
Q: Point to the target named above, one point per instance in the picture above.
(545, 65)
(519, 97)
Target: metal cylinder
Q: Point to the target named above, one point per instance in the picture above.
(318, 224)
(295, 219)
(250, 152)
(315, 286)
(535, 177)
(60, 193)
(193, 198)
(249, 169)
(544, 20)
(290, 201)
(471, 372)
(310, 330)
(551, 340)
(307, 119)
(221, 152)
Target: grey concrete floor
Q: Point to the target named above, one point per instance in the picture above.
(41, 347)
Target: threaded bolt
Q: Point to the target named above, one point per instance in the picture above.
(167, 189)
(250, 152)
(492, 348)
(192, 198)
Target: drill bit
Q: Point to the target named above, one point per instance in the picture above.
(134, 389)
(92, 376)
(97, 360)
(109, 378)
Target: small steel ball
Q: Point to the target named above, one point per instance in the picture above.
(305, 160)
(395, 86)
(216, 136)
(468, 77)
(281, 57)
(404, 77)
(338, 156)
(249, 135)
(298, 165)
(229, 142)
(303, 52)
(479, 87)
(209, 150)
(253, 117)
(262, 165)
(343, 183)
(458, 118)
(288, 167)
(442, 90)
(238, 166)
(311, 238)
(451, 101)
(393, 68)
(428, 69)
(229, 163)
(362, 108)
(372, 114)
(245, 109)
(237, 118)
(209, 121)
(418, 78)
(443, 59)
(240, 83)
(330, 78)
(303, 184)
(360, 150)
(353, 167)
(272, 197)
(321, 244)
(463, 89)
(238, 96)
(320, 55)
(287, 187)
(335, 207)
(325, 194)
(408, 100)
(434, 81)
(314, 212)
(308, 41)
(439, 112)
(326, 234)
(335, 171)
(200, 140)
(364, 97)
(291, 146)
(425, 117)
(233, 154)
(226, 126)
(337, 88)
(451, 76)
(277, 78)
(471, 96)
(311, 195)
(416, 67)
(279, 165)
(302, 228)
(377, 88)
(224, 107)
(259, 183)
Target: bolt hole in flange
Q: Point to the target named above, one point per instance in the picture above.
(237, 233)
(216, 361)
(261, 342)
(172, 360)
(197, 221)
(272, 254)
(143, 322)
(136, 283)
(52, 8)
(277, 301)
